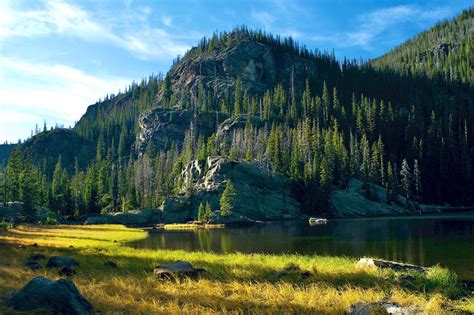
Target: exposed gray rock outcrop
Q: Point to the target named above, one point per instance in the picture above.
(58, 297)
(257, 65)
(262, 195)
(351, 202)
(11, 212)
(164, 127)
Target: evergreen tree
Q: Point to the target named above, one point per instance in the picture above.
(28, 189)
(201, 212)
(12, 175)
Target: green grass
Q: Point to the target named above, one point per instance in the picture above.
(235, 283)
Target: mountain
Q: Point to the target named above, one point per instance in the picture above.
(446, 52)
(398, 121)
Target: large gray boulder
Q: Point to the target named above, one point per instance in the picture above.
(11, 212)
(140, 217)
(58, 297)
(262, 195)
(61, 261)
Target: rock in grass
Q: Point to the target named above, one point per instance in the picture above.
(364, 308)
(58, 297)
(179, 269)
(33, 265)
(36, 257)
(66, 271)
(110, 264)
(396, 266)
(61, 261)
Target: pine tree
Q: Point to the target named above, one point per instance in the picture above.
(28, 189)
(207, 212)
(228, 199)
(201, 212)
(12, 175)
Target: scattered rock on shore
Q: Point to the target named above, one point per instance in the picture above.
(58, 297)
(396, 266)
(179, 269)
(61, 261)
(36, 257)
(66, 271)
(364, 308)
(110, 264)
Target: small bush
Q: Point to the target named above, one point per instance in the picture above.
(442, 280)
(5, 226)
(51, 221)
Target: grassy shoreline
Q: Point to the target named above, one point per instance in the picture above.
(237, 283)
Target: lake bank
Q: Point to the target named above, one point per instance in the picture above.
(424, 240)
(233, 282)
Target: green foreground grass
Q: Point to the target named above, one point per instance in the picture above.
(234, 283)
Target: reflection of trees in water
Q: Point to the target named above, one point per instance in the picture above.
(226, 242)
(204, 240)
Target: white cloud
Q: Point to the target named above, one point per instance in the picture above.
(167, 20)
(371, 25)
(132, 33)
(264, 18)
(34, 92)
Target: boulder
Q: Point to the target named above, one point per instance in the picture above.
(33, 265)
(36, 257)
(262, 194)
(380, 263)
(61, 261)
(179, 269)
(145, 216)
(58, 297)
(11, 212)
(66, 271)
(110, 264)
(364, 308)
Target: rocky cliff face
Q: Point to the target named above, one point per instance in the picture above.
(164, 127)
(258, 66)
(261, 194)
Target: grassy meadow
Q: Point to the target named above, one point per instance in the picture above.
(233, 283)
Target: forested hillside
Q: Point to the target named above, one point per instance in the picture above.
(403, 121)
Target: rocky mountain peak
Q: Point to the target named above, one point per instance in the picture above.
(259, 63)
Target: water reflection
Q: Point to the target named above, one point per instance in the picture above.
(426, 241)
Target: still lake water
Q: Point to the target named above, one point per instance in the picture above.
(427, 240)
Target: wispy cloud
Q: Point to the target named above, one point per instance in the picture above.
(263, 18)
(56, 92)
(370, 26)
(58, 17)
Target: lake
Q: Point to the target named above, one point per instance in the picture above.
(447, 240)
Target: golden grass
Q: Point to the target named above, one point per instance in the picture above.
(233, 283)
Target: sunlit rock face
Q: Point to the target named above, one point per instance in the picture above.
(261, 195)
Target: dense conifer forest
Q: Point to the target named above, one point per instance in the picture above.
(403, 121)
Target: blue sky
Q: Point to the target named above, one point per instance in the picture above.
(57, 56)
